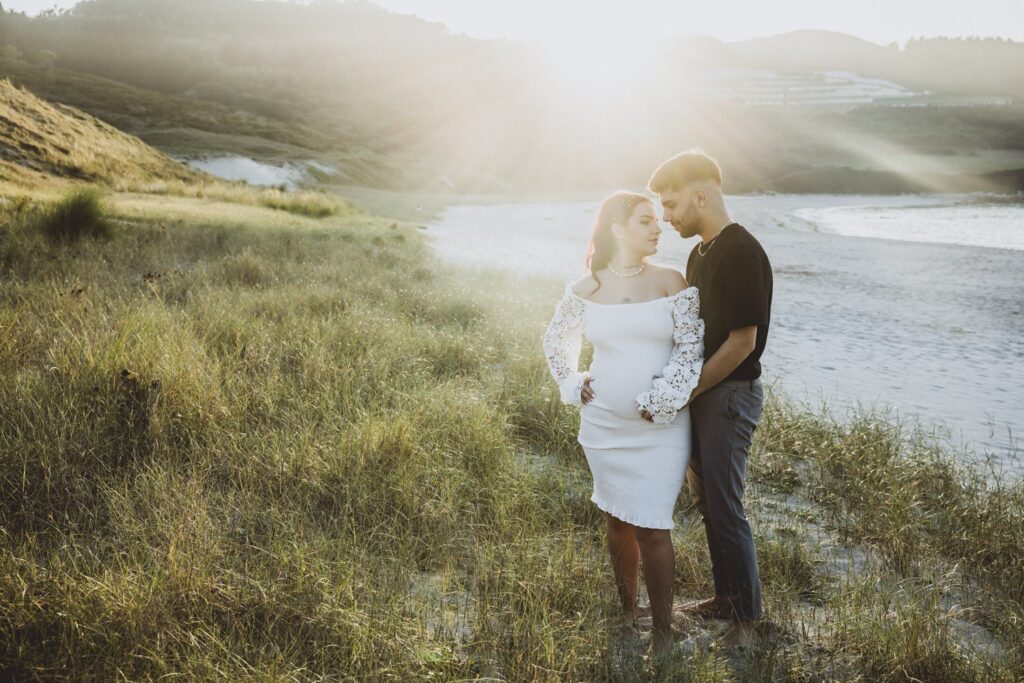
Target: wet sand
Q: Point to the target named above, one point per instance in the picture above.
(934, 332)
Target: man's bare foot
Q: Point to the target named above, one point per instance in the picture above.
(740, 634)
(718, 607)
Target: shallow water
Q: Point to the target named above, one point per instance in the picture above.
(235, 167)
(862, 315)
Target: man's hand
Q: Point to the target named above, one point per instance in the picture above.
(587, 394)
(733, 351)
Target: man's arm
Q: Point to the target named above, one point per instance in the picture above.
(739, 344)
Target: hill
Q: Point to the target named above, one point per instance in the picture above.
(60, 140)
(952, 66)
(186, 126)
(46, 146)
(390, 101)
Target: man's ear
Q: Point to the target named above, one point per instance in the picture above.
(702, 198)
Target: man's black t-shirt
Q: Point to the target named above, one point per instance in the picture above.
(734, 279)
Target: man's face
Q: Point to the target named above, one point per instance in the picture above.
(679, 209)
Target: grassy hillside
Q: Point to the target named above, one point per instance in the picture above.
(48, 148)
(395, 102)
(968, 65)
(237, 442)
(350, 73)
(59, 140)
(137, 110)
(188, 126)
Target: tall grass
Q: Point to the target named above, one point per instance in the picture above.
(304, 203)
(236, 446)
(80, 213)
(905, 496)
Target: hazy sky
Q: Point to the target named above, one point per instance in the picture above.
(569, 21)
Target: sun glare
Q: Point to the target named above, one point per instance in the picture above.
(595, 65)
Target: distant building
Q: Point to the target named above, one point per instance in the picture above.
(835, 90)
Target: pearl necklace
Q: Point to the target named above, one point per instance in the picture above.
(638, 271)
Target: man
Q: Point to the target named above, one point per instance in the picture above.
(734, 278)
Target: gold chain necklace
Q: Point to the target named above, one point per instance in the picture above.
(710, 244)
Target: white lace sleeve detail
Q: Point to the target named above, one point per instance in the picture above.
(672, 390)
(563, 341)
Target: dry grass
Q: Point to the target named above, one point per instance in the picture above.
(237, 442)
(63, 141)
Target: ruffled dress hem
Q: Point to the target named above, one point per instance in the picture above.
(631, 518)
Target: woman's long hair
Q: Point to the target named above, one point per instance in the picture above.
(615, 209)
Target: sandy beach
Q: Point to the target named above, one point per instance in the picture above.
(933, 331)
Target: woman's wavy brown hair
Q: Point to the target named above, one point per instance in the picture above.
(617, 208)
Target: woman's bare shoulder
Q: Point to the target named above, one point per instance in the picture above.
(672, 280)
(585, 286)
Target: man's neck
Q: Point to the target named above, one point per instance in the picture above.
(713, 225)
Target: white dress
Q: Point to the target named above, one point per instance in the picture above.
(637, 467)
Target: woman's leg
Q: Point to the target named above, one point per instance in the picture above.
(659, 570)
(625, 557)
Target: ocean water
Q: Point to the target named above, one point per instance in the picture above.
(979, 222)
(907, 304)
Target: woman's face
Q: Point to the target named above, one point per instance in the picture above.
(639, 234)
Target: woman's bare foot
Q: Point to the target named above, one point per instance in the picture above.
(626, 619)
(632, 618)
(661, 643)
(626, 645)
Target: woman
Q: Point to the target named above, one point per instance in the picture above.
(634, 424)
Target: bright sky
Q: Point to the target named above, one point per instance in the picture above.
(562, 21)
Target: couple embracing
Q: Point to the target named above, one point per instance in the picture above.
(673, 390)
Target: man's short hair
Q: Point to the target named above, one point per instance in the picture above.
(683, 169)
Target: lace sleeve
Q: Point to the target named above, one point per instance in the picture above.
(671, 391)
(563, 341)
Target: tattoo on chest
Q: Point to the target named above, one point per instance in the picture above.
(626, 300)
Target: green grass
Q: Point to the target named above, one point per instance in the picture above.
(79, 214)
(63, 141)
(244, 442)
(314, 204)
(183, 125)
(50, 143)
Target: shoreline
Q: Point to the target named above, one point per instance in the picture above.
(857, 319)
(443, 200)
